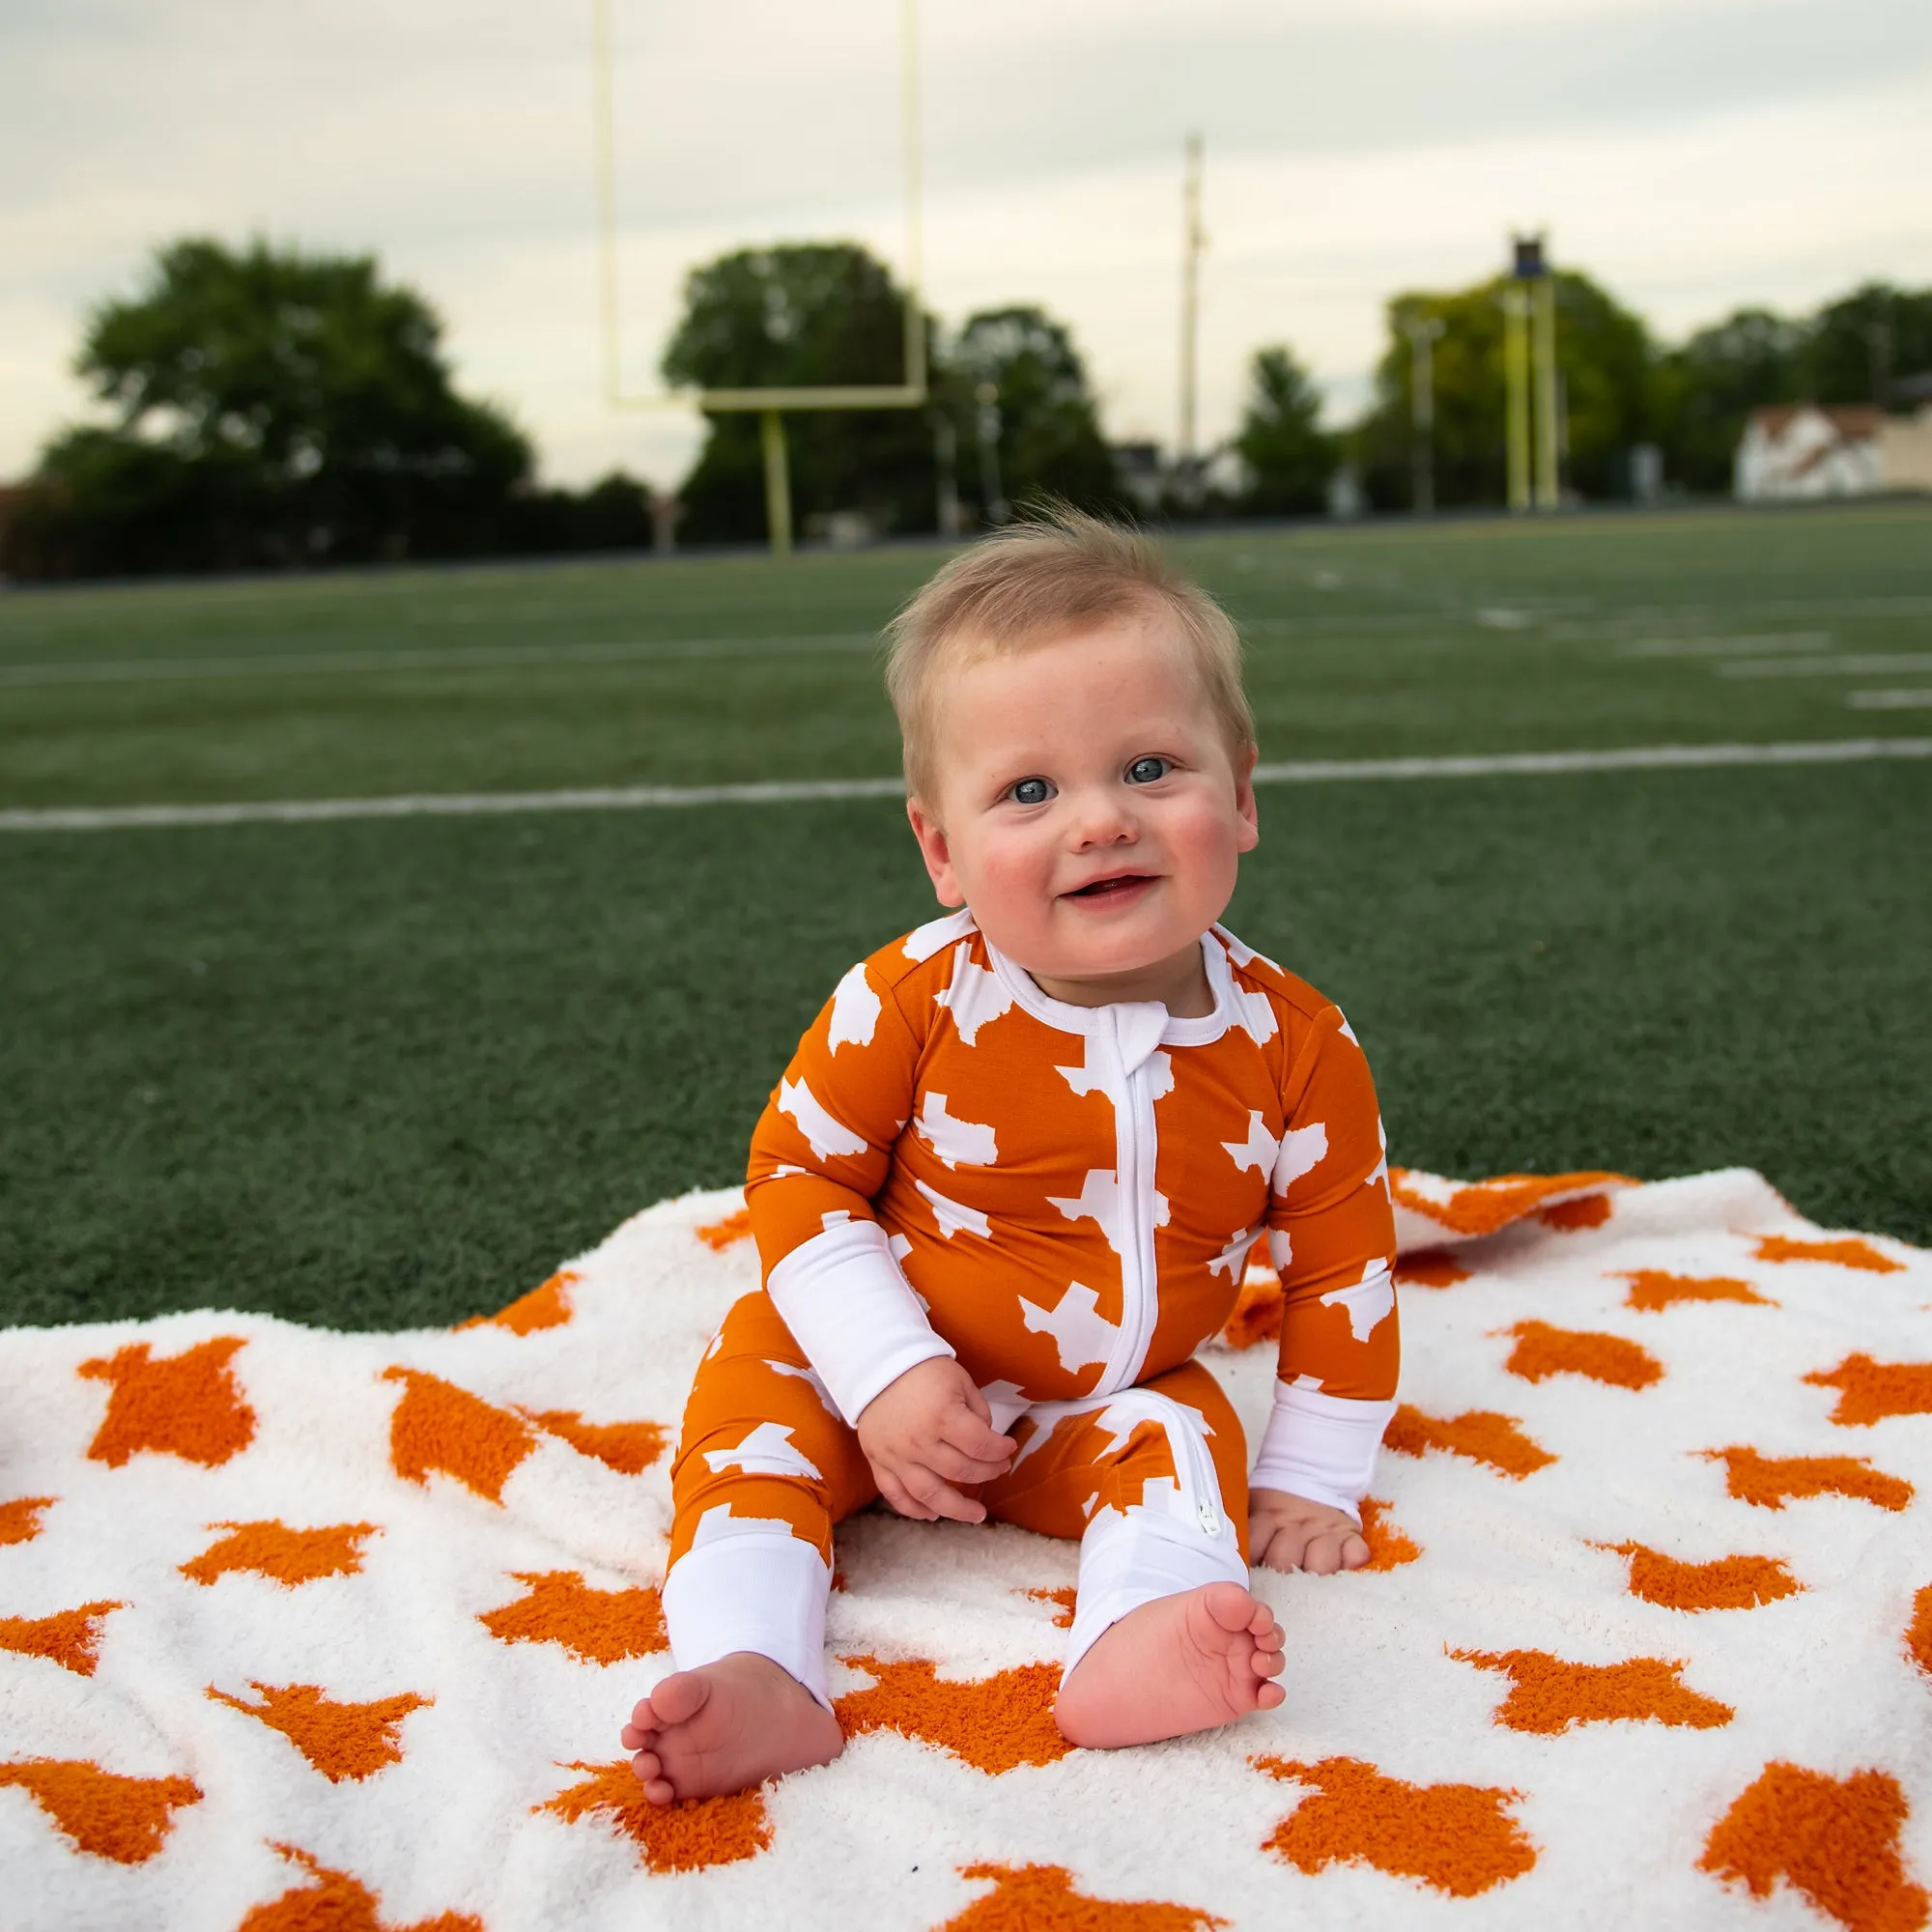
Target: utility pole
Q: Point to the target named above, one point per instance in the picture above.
(1423, 332)
(1193, 239)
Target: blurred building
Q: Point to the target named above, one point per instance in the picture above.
(1801, 451)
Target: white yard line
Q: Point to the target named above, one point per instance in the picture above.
(1871, 664)
(1890, 701)
(456, 657)
(646, 798)
(1725, 647)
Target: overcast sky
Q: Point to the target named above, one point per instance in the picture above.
(1692, 155)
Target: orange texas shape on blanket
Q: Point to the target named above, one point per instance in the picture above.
(1849, 1252)
(1541, 1352)
(1456, 1837)
(1480, 1207)
(20, 1520)
(1835, 1839)
(1918, 1631)
(1040, 1898)
(343, 1742)
(1727, 1584)
(1480, 1434)
(627, 1447)
(1064, 1601)
(673, 1838)
(335, 1902)
(546, 1306)
(1547, 1696)
(70, 1638)
(440, 1427)
(992, 1722)
(1388, 1548)
(287, 1556)
(1870, 1391)
(187, 1405)
(1653, 1288)
(1771, 1481)
(125, 1819)
(594, 1626)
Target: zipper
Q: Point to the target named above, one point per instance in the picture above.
(1134, 1146)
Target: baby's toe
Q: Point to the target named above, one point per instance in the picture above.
(1269, 1662)
(1269, 1696)
(634, 1737)
(648, 1767)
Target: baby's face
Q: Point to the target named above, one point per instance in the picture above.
(1087, 805)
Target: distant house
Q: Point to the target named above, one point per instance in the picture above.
(1802, 451)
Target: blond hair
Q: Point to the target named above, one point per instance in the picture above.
(1031, 583)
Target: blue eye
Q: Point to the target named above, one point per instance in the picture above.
(1146, 771)
(1032, 791)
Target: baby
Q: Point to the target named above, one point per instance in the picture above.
(1009, 1185)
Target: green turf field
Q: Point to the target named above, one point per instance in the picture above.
(382, 1072)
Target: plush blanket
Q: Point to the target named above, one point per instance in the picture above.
(303, 1632)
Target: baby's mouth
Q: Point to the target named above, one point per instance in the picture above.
(1115, 887)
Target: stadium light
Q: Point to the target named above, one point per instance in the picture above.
(769, 404)
(1529, 343)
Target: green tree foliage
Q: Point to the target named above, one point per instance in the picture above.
(1051, 443)
(1865, 342)
(1706, 388)
(1287, 456)
(800, 315)
(1854, 350)
(270, 408)
(1602, 358)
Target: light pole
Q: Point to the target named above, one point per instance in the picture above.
(1424, 331)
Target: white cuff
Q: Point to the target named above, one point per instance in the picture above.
(1320, 1446)
(853, 1312)
(751, 1591)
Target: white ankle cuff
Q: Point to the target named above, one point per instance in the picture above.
(760, 1592)
(1128, 1561)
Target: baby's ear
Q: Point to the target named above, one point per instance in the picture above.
(935, 851)
(1245, 808)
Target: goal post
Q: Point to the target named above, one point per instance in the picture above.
(770, 404)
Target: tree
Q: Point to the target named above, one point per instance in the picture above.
(269, 407)
(796, 316)
(1051, 445)
(1289, 457)
(1604, 363)
(1865, 342)
(1706, 388)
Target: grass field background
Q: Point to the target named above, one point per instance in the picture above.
(372, 1074)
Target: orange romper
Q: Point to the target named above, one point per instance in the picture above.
(1062, 1198)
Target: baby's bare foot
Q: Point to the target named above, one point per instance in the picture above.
(1176, 1665)
(726, 1727)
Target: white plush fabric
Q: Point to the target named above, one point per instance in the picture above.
(1608, 1817)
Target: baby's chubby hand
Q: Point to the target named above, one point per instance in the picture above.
(1288, 1532)
(926, 1431)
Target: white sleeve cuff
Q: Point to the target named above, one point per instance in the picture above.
(1320, 1446)
(851, 1309)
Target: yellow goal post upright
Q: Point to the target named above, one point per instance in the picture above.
(769, 405)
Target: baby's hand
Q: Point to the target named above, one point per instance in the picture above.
(926, 1431)
(1288, 1532)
